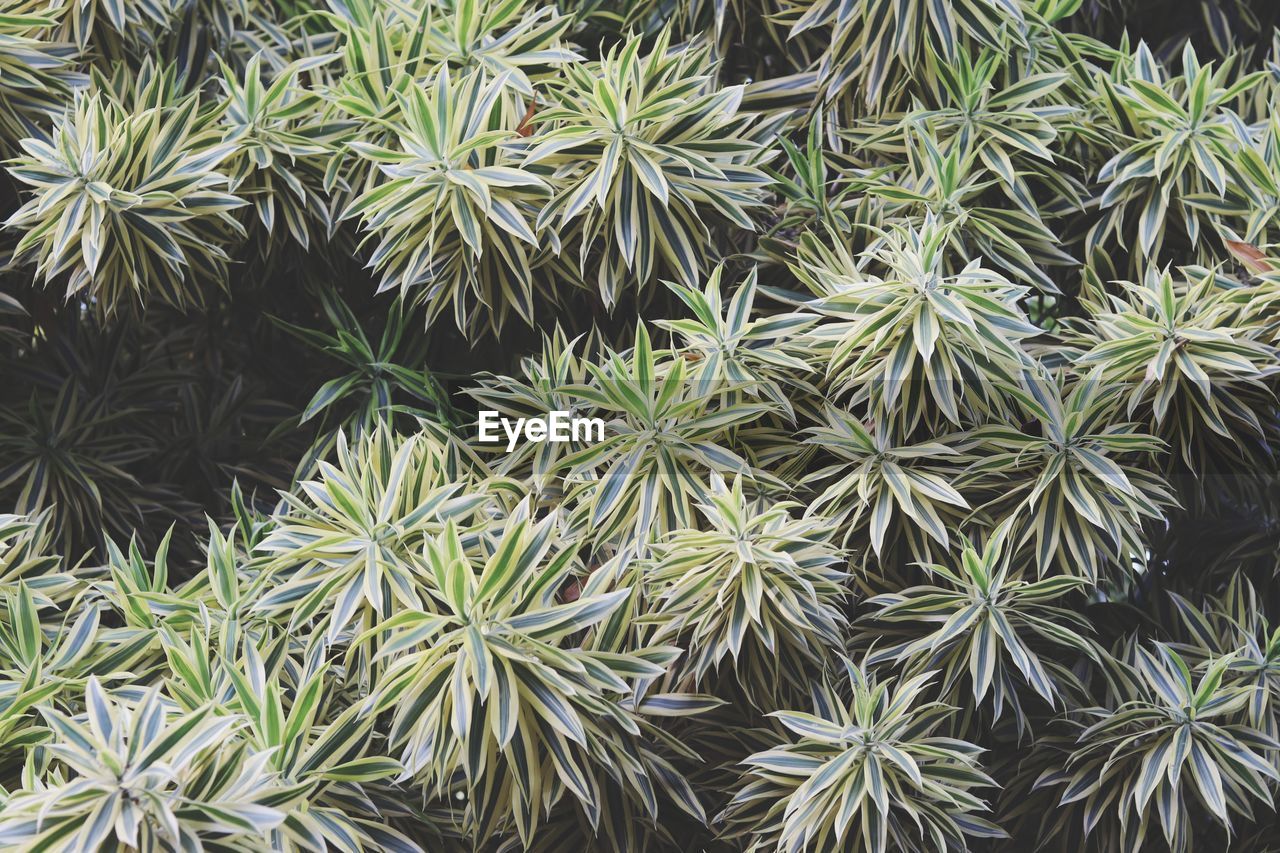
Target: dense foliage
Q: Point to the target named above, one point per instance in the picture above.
(936, 345)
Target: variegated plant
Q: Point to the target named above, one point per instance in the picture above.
(934, 348)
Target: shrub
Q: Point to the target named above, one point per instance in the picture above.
(933, 347)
